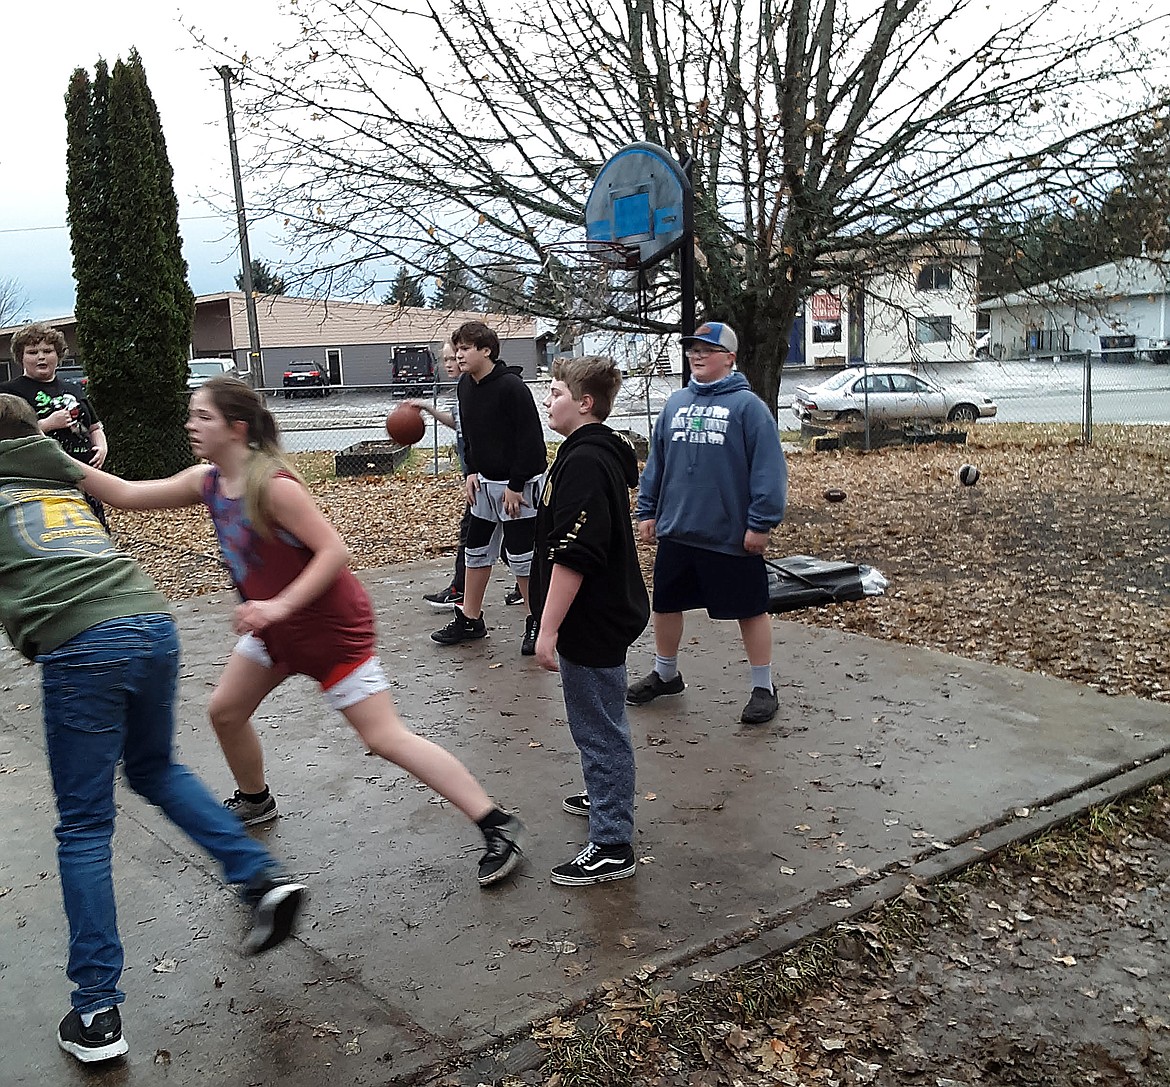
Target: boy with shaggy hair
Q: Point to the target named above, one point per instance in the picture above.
(588, 591)
(109, 654)
(504, 459)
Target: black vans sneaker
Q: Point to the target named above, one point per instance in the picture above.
(651, 687)
(101, 1041)
(577, 804)
(596, 864)
(276, 904)
(460, 629)
(528, 642)
(503, 853)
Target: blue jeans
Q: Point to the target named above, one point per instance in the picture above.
(109, 694)
(595, 704)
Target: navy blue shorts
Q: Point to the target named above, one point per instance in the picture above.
(728, 586)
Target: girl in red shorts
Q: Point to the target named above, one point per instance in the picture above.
(303, 611)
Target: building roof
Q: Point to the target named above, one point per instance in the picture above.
(1118, 279)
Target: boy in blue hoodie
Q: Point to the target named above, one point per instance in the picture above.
(588, 591)
(714, 487)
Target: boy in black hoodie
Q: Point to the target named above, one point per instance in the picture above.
(588, 591)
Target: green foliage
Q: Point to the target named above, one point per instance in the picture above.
(407, 290)
(134, 307)
(264, 279)
(453, 294)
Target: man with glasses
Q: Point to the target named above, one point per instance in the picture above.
(714, 486)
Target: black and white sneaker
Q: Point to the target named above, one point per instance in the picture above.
(251, 812)
(528, 642)
(596, 864)
(503, 853)
(276, 904)
(460, 629)
(515, 596)
(444, 600)
(577, 804)
(101, 1041)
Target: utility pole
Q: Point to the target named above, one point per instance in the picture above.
(255, 369)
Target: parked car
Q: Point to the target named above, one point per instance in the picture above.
(892, 395)
(412, 371)
(306, 377)
(201, 371)
(72, 372)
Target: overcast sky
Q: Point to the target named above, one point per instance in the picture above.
(45, 41)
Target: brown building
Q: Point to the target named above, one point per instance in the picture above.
(353, 342)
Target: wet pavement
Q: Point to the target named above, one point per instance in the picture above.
(884, 762)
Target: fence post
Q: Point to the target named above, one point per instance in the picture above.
(1087, 401)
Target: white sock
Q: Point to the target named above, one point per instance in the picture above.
(88, 1018)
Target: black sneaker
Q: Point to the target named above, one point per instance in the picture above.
(503, 853)
(578, 804)
(448, 598)
(101, 1041)
(761, 707)
(460, 629)
(251, 812)
(651, 687)
(531, 630)
(515, 596)
(596, 864)
(276, 904)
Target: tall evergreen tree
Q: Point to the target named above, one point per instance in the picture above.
(265, 279)
(453, 294)
(406, 290)
(134, 307)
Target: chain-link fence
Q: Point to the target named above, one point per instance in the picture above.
(1114, 398)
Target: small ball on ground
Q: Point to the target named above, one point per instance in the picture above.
(834, 494)
(405, 424)
(968, 475)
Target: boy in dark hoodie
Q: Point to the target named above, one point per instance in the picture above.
(109, 655)
(588, 591)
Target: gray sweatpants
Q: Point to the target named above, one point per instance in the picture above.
(595, 704)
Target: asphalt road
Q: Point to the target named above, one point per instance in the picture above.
(1026, 392)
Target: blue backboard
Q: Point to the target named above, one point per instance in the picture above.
(638, 201)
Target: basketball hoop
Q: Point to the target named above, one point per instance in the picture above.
(614, 255)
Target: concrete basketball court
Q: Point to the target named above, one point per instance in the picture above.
(885, 763)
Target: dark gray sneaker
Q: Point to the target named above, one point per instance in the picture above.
(251, 812)
(514, 596)
(460, 629)
(101, 1041)
(502, 854)
(761, 707)
(653, 686)
(276, 904)
(578, 804)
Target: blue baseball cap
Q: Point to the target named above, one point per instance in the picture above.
(716, 334)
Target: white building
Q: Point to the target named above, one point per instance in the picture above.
(1115, 308)
(923, 312)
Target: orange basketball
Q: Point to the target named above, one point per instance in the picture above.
(405, 424)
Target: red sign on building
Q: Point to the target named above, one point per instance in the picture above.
(826, 307)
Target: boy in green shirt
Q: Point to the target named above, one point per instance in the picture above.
(109, 655)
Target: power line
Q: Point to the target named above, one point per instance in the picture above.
(65, 226)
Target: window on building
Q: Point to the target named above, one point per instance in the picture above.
(934, 330)
(934, 277)
(826, 332)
